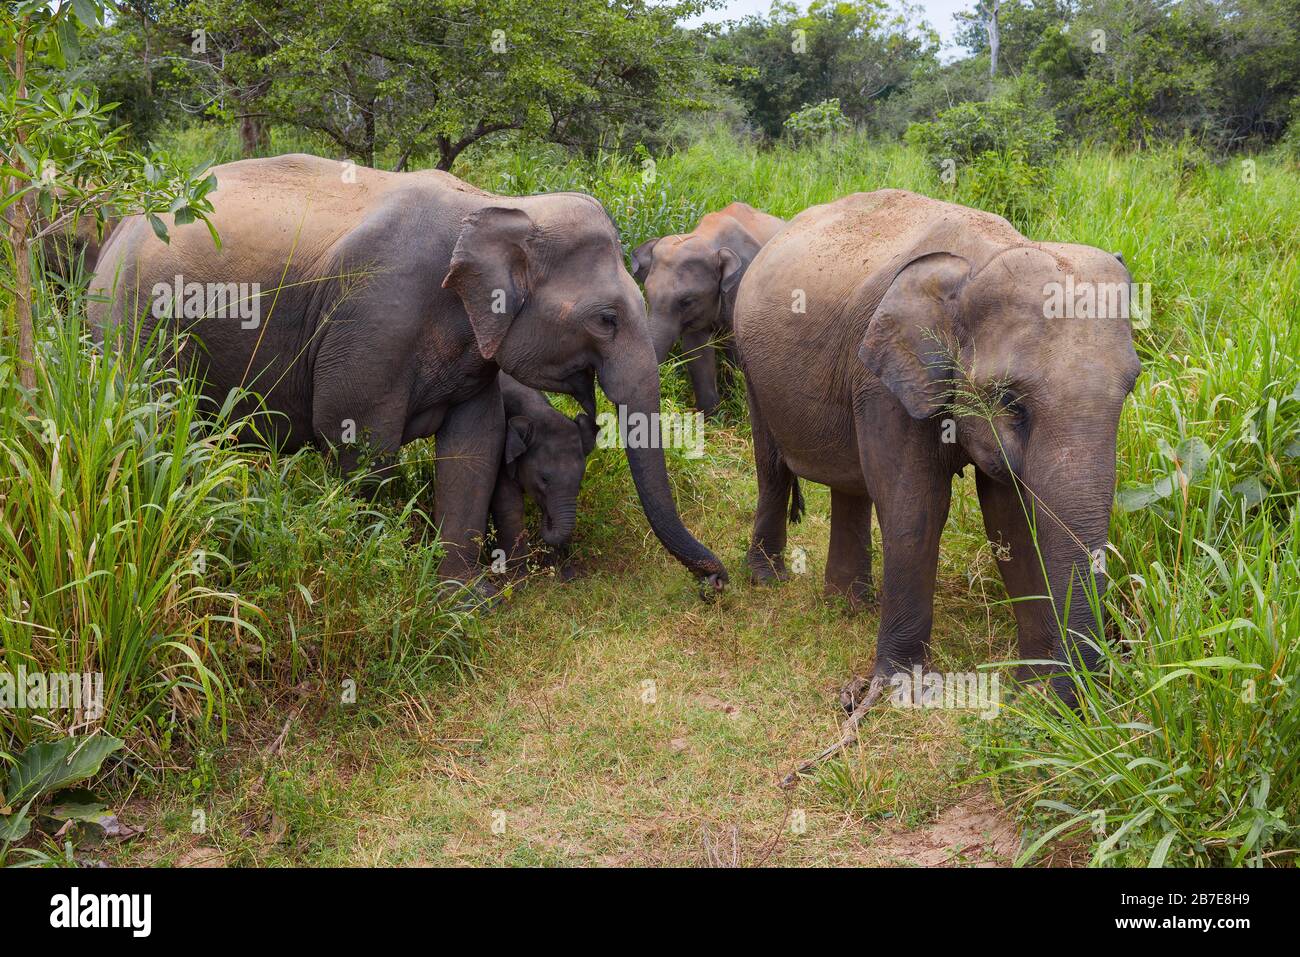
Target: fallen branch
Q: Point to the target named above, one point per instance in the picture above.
(848, 733)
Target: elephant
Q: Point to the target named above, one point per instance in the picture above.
(370, 309)
(690, 283)
(544, 459)
(888, 340)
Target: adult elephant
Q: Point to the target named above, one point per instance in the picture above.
(690, 284)
(888, 340)
(383, 307)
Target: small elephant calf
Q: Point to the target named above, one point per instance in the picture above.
(690, 285)
(545, 458)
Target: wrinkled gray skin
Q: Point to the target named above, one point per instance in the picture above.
(403, 296)
(544, 460)
(690, 284)
(904, 292)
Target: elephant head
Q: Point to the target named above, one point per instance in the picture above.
(547, 456)
(551, 303)
(688, 285)
(1030, 356)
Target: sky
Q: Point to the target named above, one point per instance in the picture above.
(938, 12)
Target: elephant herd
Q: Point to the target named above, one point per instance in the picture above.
(887, 340)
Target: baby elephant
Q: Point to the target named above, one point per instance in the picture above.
(545, 458)
(690, 285)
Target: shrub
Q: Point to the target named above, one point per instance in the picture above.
(1012, 124)
(816, 120)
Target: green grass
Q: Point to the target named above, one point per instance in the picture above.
(536, 710)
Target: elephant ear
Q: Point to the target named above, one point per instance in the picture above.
(907, 343)
(732, 269)
(588, 429)
(519, 435)
(489, 271)
(642, 257)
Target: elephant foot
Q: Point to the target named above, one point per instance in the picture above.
(862, 692)
(479, 594)
(858, 594)
(851, 693)
(764, 572)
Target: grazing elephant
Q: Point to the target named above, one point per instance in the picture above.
(888, 340)
(370, 309)
(690, 284)
(544, 459)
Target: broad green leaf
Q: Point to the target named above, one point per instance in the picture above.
(46, 767)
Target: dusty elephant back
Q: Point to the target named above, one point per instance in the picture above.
(307, 244)
(804, 304)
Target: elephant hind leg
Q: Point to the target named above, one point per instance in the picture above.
(848, 560)
(777, 490)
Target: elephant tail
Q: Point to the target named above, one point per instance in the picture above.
(796, 501)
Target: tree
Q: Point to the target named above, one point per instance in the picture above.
(59, 158)
(413, 78)
(855, 51)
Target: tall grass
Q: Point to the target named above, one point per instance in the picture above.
(142, 538)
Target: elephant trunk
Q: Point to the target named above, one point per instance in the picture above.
(1073, 499)
(664, 334)
(632, 384)
(559, 522)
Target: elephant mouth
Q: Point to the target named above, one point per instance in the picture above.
(582, 386)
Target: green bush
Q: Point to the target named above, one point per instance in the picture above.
(815, 121)
(1012, 124)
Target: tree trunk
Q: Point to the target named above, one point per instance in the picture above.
(995, 38)
(254, 137)
(20, 220)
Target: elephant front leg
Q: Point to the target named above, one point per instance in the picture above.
(366, 435)
(912, 508)
(468, 448)
(848, 560)
(702, 367)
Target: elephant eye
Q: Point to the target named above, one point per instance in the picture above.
(1019, 417)
(609, 318)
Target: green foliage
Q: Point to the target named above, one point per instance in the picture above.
(858, 52)
(40, 771)
(1009, 124)
(111, 485)
(815, 121)
(994, 153)
(411, 79)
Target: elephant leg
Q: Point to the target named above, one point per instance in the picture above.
(508, 519)
(702, 367)
(912, 493)
(468, 445)
(1022, 572)
(848, 560)
(766, 556)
